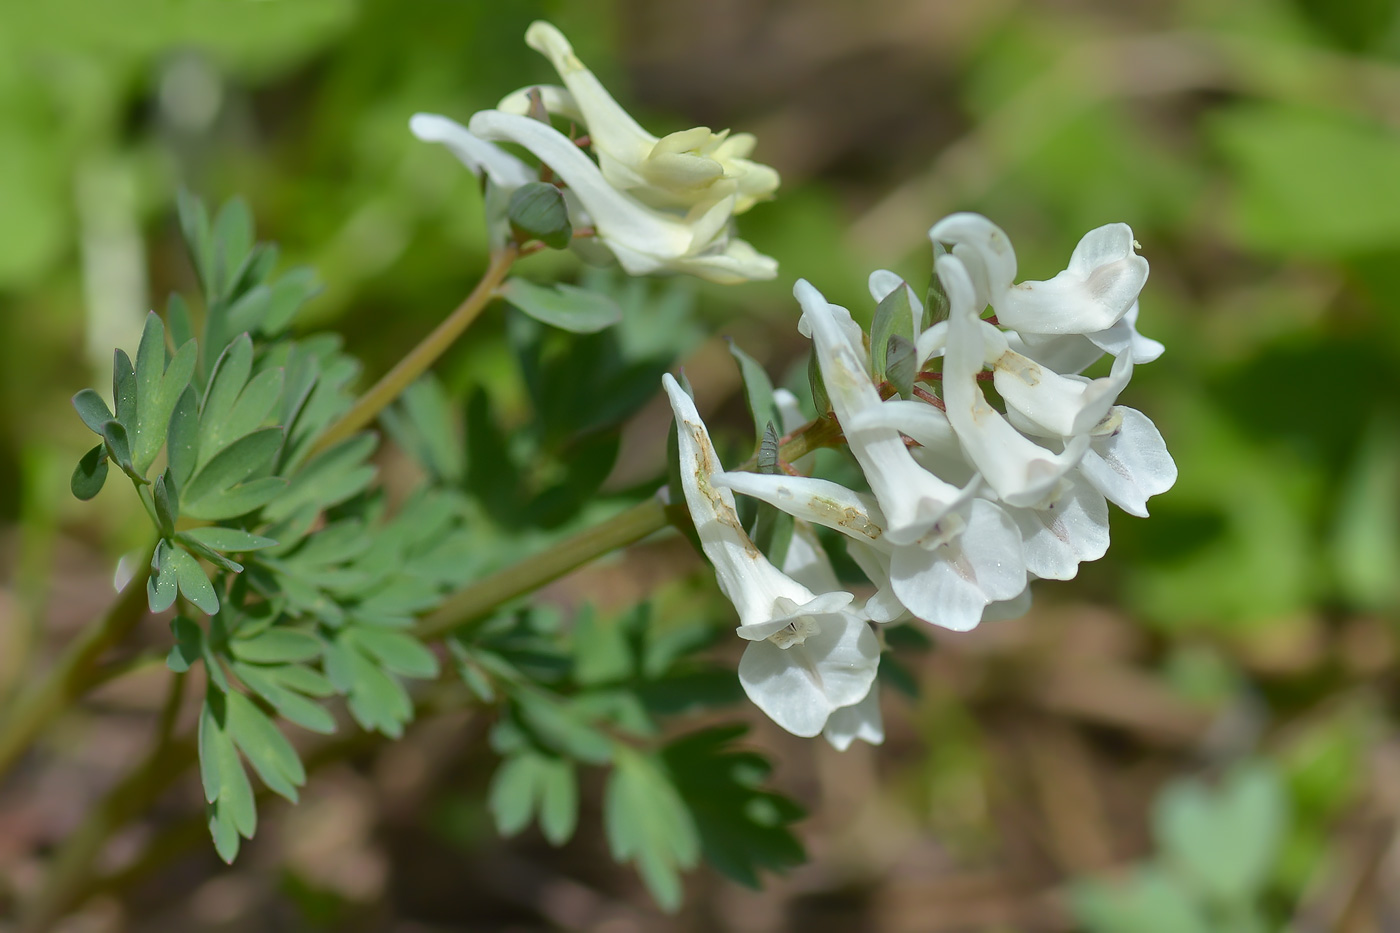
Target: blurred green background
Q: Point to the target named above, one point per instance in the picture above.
(1254, 148)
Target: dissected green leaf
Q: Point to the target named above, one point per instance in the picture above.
(558, 800)
(166, 502)
(289, 293)
(894, 316)
(119, 449)
(189, 644)
(182, 437)
(266, 748)
(563, 729)
(158, 388)
(397, 651)
(330, 478)
(223, 488)
(162, 586)
(231, 540)
(194, 583)
(758, 391)
(743, 828)
(277, 645)
(124, 387)
(564, 306)
(514, 788)
(284, 689)
(648, 824)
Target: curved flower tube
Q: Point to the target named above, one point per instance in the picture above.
(681, 170)
(1021, 472)
(643, 239)
(810, 655)
(913, 499)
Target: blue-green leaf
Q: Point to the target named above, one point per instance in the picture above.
(277, 646)
(92, 409)
(231, 540)
(194, 583)
(648, 824)
(90, 474)
(564, 306)
(219, 490)
(265, 747)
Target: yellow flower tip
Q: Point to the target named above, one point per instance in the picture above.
(546, 39)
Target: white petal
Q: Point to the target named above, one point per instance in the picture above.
(882, 282)
(1019, 470)
(915, 419)
(985, 250)
(912, 499)
(884, 606)
(806, 560)
(479, 155)
(1072, 529)
(950, 585)
(747, 578)
(1104, 277)
(1012, 608)
(1130, 465)
(859, 721)
(812, 500)
(618, 219)
(1063, 405)
(610, 127)
(1124, 336)
(800, 686)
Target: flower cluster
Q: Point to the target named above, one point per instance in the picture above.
(655, 204)
(967, 502)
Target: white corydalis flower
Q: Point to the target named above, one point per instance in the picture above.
(1127, 460)
(810, 655)
(680, 170)
(644, 240)
(1091, 295)
(948, 585)
(912, 499)
(1020, 471)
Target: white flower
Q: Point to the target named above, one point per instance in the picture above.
(859, 721)
(810, 655)
(681, 170)
(1092, 295)
(644, 240)
(1127, 460)
(948, 584)
(1021, 472)
(912, 499)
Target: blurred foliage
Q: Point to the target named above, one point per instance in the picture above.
(1252, 146)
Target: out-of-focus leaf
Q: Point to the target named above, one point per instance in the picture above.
(743, 828)
(1151, 901)
(648, 824)
(1226, 839)
(90, 475)
(1311, 182)
(564, 306)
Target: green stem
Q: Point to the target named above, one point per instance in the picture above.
(71, 676)
(535, 571)
(625, 528)
(72, 864)
(416, 363)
